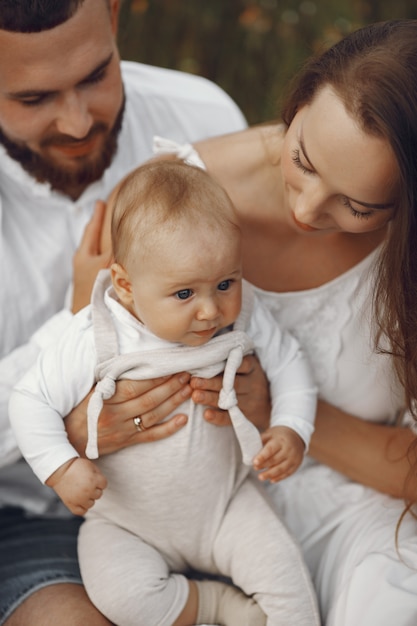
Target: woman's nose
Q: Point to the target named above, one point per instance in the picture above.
(309, 206)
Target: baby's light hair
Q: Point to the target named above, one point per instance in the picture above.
(162, 196)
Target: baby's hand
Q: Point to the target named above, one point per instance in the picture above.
(281, 455)
(79, 483)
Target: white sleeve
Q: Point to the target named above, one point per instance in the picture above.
(61, 377)
(13, 366)
(292, 387)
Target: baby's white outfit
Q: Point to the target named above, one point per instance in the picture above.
(186, 502)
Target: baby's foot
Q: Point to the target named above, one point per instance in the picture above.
(219, 603)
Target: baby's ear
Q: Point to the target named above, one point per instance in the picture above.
(121, 283)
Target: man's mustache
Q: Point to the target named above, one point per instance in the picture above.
(66, 140)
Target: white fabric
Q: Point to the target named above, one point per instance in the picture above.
(188, 497)
(185, 152)
(66, 370)
(134, 584)
(224, 353)
(346, 530)
(41, 229)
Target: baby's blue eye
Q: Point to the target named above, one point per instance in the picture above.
(224, 285)
(184, 294)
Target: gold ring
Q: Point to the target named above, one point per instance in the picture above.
(139, 424)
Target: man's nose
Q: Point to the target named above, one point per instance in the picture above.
(74, 118)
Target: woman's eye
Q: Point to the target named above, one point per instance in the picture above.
(184, 294)
(224, 285)
(295, 156)
(358, 214)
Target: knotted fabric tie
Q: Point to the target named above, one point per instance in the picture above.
(246, 433)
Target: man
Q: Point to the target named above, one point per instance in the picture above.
(73, 122)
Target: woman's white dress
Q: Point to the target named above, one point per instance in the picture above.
(347, 530)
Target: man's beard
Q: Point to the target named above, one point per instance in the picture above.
(70, 182)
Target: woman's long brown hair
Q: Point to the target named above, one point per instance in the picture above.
(374, 71)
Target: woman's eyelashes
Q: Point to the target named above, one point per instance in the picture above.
(296, 159)
(295, 156)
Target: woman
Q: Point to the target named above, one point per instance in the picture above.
(328, 202)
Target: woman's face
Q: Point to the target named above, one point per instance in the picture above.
(337, 178)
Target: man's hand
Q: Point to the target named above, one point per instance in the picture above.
(89, 259)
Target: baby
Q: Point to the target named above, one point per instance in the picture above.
(174, 300)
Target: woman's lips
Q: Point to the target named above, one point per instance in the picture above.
(305, 227)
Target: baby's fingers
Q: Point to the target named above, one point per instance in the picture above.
(267, 456)
(99, 482)
(77, 509)
(81, 507)
(277, 472)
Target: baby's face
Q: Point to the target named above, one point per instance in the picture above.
(190, 288)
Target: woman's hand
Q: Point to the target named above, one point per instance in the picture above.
(152, 400)
(252, 390)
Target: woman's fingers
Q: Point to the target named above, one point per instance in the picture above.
(159, 431)
(206, 391)
(217, 417)
(252, 391)
(152, 400)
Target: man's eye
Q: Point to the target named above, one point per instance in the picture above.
(97, 77)
(33, 102)
(184, 294)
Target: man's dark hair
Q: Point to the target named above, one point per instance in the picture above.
(34, 16)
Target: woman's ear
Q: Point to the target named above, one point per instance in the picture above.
(121, 284)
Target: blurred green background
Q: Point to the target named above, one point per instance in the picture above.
(250, 48)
